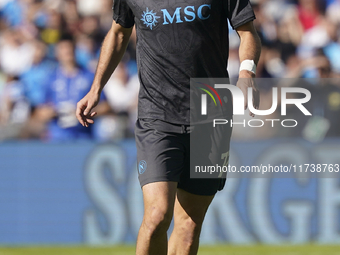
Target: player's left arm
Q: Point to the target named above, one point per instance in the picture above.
(250, 49)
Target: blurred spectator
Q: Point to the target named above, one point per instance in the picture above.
(309, 12)
(68, 85)
(325, 104)
(333, 11)
(14, 108)
(89, 40)
(37, 78)
(86, 55)
(332, 49)
(13, 11)
(16, 54)
(54, 27)
(122, 95)
(105, 16)
(71, 16)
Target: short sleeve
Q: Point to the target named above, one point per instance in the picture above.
(122, 13)
(239, 12)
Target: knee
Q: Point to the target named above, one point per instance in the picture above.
(157, 221)
(191, 226)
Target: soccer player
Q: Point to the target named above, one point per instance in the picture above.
(176, 41)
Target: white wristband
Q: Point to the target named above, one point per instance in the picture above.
(248, 65)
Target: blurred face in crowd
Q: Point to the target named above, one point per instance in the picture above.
(309, 5)
(13, 37)
(54, 20)
(90, 25)
(39, 52)
(65, 52)
(70, 11)
(86, 42)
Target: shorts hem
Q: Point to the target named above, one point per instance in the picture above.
(198, 193)
(156, 179)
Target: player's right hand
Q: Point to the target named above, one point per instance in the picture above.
(85, 106)
(246, 80)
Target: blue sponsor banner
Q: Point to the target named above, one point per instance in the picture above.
(71, 193)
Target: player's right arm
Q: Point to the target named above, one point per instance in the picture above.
(112, 51)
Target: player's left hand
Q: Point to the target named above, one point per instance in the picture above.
(246, 80)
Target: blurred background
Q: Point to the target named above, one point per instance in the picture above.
(61, 183)
(49, 51)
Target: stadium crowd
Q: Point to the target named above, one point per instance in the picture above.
(49, 50)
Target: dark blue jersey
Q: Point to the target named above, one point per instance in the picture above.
(63, 93)
(178, 40)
